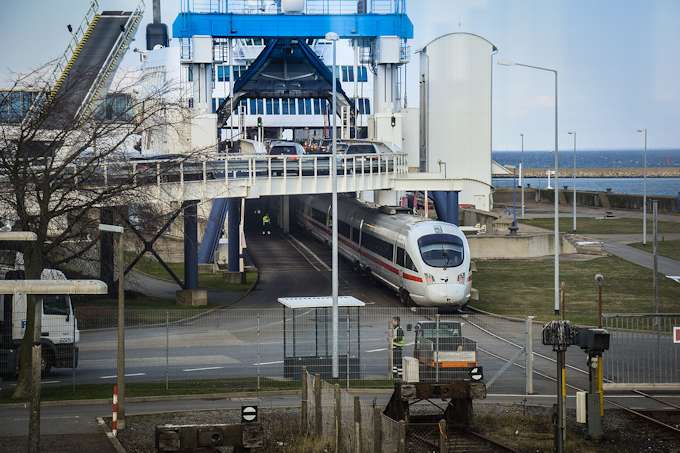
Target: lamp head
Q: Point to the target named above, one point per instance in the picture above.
(332, 36)
(505, 62)
(642, 131)
(571, 132)
(599, 279)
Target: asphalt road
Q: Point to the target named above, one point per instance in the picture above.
(246, 340)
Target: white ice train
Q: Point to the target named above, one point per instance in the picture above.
(427, 262)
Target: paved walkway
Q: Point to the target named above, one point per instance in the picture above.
(667, 266)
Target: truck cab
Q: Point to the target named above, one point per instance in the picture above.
(445, 353)
(59, 338)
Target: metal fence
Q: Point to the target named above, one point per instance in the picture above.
(227, 349)
(310, 7)
(641, 349)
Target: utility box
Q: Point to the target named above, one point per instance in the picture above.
(595, 341)
(581, 398)
(411, 370)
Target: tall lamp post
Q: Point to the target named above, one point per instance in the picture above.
(503, 62)
(521, 173)
(644, 187)
(120, 350)
(561, 435)
(333, 37)
(573, 183)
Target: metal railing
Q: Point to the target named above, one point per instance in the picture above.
(641, 349)
(311, 6)
(229, 168)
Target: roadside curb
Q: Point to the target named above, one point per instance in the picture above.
(206, 396)
(109, 435)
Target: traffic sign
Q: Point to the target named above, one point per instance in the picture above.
(676, 334)
(476, 374)
(248, 414)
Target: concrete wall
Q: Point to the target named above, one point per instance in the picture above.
(515, 247)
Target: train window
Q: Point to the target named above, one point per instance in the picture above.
(400, 256)
(355, 234)
(343, 228)
(377, 246)
(319, 216)
(441, 250)
(408, 263)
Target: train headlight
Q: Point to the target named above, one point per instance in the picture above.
(429, 279)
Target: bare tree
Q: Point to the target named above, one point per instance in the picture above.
(62, 162)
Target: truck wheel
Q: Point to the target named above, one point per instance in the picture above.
(405, 298)
(46, 362)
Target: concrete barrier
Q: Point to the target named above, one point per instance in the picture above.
(533, 245)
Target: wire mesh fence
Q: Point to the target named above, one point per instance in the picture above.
(642, 348)
(245, 349)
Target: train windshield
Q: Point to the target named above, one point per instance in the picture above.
(441, 250)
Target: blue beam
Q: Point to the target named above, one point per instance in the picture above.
(187, 25)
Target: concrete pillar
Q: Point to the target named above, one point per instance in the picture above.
(233, 219)
(190, 245)
(106, 251)
(285, 213)
(446, 205)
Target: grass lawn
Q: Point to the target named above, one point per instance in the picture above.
(671, 249)
(188, 387)
(603, 226)
(525, 287)
(206, 280)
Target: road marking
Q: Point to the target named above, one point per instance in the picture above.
(308, 250)
(127, 375)
(204, 368)
(41, 383)
(675, 278)
(376, 350)
(268, 363)
(42, 417)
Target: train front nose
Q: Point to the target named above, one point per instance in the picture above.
(446, 293)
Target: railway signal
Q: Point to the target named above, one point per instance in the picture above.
(248, 414)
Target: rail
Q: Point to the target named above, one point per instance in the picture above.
(311, 7)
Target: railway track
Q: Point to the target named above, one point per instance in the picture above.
(425, 437)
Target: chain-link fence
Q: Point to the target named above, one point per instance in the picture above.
(641, 349)
(244, 349)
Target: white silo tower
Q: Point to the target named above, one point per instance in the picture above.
(455, 110)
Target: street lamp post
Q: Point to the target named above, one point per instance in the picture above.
(120, 350)
(573, 183)
(333, 37)
(644, 188)
(561, 437)
(557, 185)
(521, 173)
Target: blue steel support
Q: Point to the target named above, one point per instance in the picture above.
(211, 236)
(446, 205)
(190, 245)
(234, 217)
(347, 26)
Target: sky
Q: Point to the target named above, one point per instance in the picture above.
(617, 61)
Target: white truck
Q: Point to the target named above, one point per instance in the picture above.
(59, 328)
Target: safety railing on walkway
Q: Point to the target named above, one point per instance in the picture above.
(310, 6)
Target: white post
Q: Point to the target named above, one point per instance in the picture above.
(334, 201)
(644, 188)
(529, 352)
(521, 173)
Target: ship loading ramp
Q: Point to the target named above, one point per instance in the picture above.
(90, 64)
(286, 68)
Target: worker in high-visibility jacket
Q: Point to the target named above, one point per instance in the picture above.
(266, 221)
(398, 343)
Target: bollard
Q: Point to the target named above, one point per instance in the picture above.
(114, 409)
